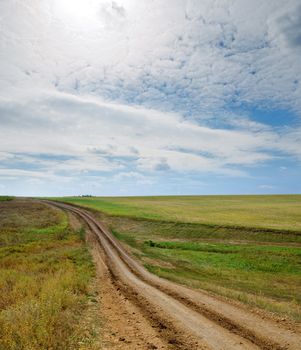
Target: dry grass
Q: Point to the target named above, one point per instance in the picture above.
(45, 273)
(282, 212)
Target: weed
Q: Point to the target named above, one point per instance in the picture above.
(81, 233)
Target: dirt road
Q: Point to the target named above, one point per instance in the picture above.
(183, 318)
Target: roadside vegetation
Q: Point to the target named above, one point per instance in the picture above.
(258, 264)
(46, 273)
(6, 198)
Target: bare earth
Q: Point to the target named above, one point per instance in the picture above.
(143, 311)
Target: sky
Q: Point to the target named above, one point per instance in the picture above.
(150, 97)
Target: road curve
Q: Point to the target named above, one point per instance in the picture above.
(203, 321)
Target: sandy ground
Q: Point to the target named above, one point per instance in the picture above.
(123, 324)
(143, 311)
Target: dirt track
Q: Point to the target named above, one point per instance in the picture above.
(181, 317)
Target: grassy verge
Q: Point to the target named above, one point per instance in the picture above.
(260, 273)
(45, 274)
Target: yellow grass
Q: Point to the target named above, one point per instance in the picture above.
(45, 273)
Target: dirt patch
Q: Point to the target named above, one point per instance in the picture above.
(74, 222)
(123, 324)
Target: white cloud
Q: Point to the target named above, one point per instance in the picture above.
(266, 187)
(133, 177)
(191, 56)
(287, 25)
(12, 174)
(145, 87)
(64, 134)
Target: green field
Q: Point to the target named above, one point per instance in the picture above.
(276, 212)
(45, 276)
(6, 198)
(246, 248)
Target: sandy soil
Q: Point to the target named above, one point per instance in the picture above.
(123, 324)
(143, 311)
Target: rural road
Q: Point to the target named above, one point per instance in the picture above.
(185, 318)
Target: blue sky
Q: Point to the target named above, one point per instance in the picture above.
(132, 97)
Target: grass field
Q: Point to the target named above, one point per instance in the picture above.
(6, 198)
(45, 274)
(276, 212)
(247, 248)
